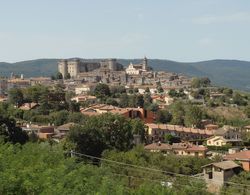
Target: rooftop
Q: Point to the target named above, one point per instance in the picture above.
(243, 155)
(225, 165)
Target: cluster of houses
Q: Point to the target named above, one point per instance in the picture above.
(194, 142)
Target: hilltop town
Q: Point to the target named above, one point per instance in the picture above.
(105, 110)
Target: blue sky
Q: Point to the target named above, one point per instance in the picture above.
(181, 30)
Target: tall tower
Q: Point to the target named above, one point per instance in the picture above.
(145, 63)
(63, 67)
(112, 64)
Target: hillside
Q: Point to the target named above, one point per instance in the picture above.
(231, 73)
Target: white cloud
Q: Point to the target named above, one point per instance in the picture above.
(232, 18)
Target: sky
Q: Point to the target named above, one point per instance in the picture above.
(180, 30)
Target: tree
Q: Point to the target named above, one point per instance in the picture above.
(116, 91)
(102, 132)
(139, 101)
(132, 101)
(247, 111)
(170, 139)
(74, 106)
(77, 117)
(124, 99)
(239, 100)
(67, 76)
(15, 96)
(138, 128)
(154, 107)
(173, 93)
(59, 76)
(228, 92)
(9, 132)
(101, 90)
(200, 82)
(59, 118)
(178, 113)
(160, 89)
(163, 116)
(147, 90)
(193, 116)
(111, 101)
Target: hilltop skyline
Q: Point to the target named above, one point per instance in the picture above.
(184, 31)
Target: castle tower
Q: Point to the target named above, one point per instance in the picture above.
(63, 67)
(145, 63)
(112, 64)
(74, 67)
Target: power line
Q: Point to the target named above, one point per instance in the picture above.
(151, 169)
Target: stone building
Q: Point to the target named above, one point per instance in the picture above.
(137, 69)
(76, 66)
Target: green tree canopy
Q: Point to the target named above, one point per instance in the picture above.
(102, 132)
(101, 90)
(9, 132)
(15, 96)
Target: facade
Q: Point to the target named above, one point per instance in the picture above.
(182, 149)
(110, 71)
(145, 115)
(219, 173)
(18, 83)
(75, 66)
(40, 81)
(225, 135)
(137, 69)
(85, 98)
(221, 141)
(158, 132)
(62, 130)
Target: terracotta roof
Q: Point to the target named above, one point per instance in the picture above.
(223, 165)
(178, 128)
(197, 148)
(243, 155)
(226, 165)
(158, 146)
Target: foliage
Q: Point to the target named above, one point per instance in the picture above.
(43, 169)
(178, 112)
(15, 96)
(172, 163)
(200, 82)
(67, 76)
(170, 139)
(193, 116)
(9, 132)
(59, 76)
(247, 111)
(138, 128)
(102, 132)
(243, 181)
(101, 90)
(163, 116)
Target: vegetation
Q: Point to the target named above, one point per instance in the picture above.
(43, 169)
